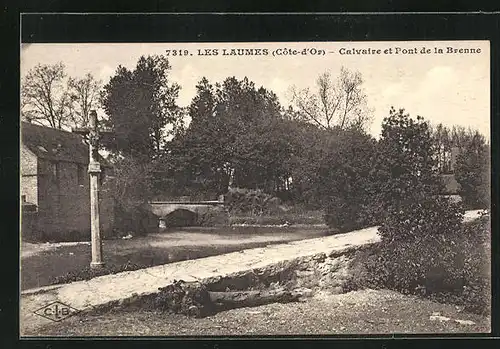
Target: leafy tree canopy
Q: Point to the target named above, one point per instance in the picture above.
(140, 105)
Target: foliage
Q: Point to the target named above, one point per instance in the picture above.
(130, 189)
(476, 271)
(451, 265)
(473, 172)
(310, 148)
(339, 102)
(237, 137)
(213, 217)
(140, 105)
(435, 216)
(255, 202)
(131, 186)
(133, 220)
(345, 183)
(405, 169)
(425, 248)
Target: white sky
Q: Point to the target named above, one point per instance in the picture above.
(448, 88)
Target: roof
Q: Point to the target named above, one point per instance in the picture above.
(56, 145)
(451, 186)
(53, 144)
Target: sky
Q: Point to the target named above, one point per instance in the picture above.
(452, 88)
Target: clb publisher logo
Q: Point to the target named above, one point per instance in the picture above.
(56, 311)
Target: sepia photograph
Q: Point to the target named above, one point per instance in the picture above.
(255, 188)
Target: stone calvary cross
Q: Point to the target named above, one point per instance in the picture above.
(94, 170)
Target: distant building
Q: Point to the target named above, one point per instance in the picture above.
(451, 186)
(55, 192)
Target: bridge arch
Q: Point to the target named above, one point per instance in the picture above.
(173, 213)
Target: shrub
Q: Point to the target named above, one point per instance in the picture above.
(134, 219)
(255, 202)
(348, 216)
(425, 250)
(476, 275)
(213, 217)
(417, 241)
(436, 217)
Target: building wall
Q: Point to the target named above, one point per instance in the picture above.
(29, 173)
(64, 203)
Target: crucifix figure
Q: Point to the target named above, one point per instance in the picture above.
(94, 171)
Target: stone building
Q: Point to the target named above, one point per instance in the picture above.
(55, 194)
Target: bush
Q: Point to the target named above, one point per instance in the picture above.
(476, 275)
(348, 216)
(255, 202)
(426, 250)
(136, 220)
(216, 216)
(434, 217)
(417, 242)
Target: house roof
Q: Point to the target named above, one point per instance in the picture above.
(56, 145)
(53, 144)
(451, 186)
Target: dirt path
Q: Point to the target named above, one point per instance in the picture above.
(359, 312)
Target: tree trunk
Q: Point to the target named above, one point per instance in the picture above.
(193, 299)
(240, 299)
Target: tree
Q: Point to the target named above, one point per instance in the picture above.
(44, 98)
(309, 149)
(84, 95)
(141, 105)
(345, 180)
(235, 137)
(442, 138)
(337, 102)
(406, 163)
(472, 172)
(449, 142)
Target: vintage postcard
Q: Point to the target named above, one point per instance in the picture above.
(255, 188)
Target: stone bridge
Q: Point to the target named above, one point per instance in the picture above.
(163, 208)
